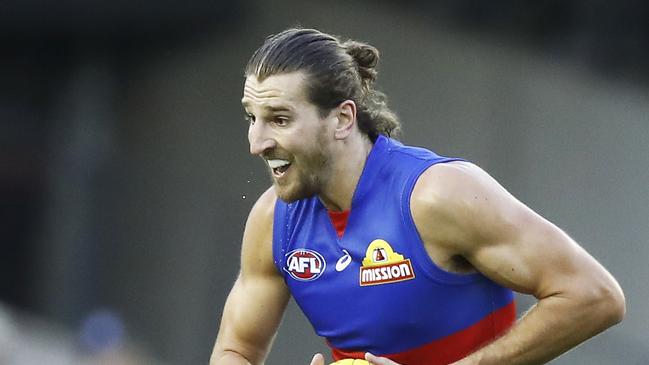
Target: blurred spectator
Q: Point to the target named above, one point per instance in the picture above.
(28, 340)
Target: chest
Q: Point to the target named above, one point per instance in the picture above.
(368, 274)
(374, 245)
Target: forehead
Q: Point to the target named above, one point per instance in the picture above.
(277, 90)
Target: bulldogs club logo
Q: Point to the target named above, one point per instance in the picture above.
(304, 265)
(382, 265)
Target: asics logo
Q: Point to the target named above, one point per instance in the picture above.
(343, 262)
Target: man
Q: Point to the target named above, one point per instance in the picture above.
(395, 254)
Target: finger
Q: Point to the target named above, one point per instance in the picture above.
(375, 360)
(318, 359)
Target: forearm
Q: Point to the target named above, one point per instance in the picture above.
(550, 328)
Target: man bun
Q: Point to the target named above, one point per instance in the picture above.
(366, 58)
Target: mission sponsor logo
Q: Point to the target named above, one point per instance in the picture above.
(304, 265)
(382, 265)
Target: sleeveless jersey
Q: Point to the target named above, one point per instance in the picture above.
(376, 289)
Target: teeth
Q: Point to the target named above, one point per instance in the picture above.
(277, 163)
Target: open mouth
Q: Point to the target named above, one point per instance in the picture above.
(279, 167)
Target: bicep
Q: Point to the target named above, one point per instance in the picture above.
(501, 237)
(529, 254)
(251, 316)
(257, 301)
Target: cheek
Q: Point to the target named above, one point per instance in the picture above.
(251, 146)
(250, 131)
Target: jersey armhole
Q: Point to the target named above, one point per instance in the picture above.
(280, 235)
(424, 262)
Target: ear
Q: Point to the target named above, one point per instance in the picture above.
(346, 119)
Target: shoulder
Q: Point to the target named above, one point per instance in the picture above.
(459, 204)
(264, 208)
(258, 234)
(453, 184)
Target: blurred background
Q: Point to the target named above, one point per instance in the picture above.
(125, 178)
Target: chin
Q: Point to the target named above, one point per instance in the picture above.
(289, 194)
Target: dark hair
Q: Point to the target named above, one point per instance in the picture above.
(336, 71)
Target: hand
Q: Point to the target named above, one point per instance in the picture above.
(318, 359)
(375, 360)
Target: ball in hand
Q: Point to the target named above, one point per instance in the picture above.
(351, 362)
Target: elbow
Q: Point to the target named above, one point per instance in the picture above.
(609, 304)
(617, 306)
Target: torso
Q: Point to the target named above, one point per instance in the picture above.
(380, 287)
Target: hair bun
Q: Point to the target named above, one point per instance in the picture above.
(366, 58)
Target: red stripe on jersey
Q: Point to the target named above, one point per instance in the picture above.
(451, 348)
(339, 221)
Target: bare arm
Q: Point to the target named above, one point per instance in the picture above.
(461, 209)
(257, 301)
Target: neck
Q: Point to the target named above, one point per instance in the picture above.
(350, 160)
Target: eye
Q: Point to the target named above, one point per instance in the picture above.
(281, 121)
(249, 118)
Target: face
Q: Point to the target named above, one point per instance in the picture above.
(287, 132)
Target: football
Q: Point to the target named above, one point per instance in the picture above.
(351, 362)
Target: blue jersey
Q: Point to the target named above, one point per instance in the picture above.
(375, 288)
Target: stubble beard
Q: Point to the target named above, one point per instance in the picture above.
(312, 173)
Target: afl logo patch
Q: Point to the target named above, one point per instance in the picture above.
(304, 265)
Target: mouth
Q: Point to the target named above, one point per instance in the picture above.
(279, 167)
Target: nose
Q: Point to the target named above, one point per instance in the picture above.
(259, 139)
